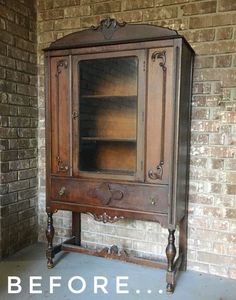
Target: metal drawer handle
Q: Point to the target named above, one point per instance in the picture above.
(62, 191)
(153, 200)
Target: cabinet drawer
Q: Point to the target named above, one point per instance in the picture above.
(136, 197)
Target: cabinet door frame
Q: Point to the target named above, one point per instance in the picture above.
(59, 106)
(160, 112)
(139, 174)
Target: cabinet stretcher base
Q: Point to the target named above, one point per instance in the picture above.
(71, 246)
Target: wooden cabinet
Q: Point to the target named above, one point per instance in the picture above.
(118, 123)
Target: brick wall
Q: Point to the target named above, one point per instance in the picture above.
(18, 125)
(210, 27)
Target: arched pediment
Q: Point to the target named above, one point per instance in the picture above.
(110, 31)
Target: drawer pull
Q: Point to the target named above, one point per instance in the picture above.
(106, 195)
(153, 200)
(62, 191)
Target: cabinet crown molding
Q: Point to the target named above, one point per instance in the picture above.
(111, 31)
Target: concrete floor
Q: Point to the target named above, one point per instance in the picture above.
(143, 283)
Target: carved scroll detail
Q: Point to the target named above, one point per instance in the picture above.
(105, 218)
(61, 166)
(60, 65)
(157, 173)
(162, 56)
(114, 252)
(108, 26)
(104, 193)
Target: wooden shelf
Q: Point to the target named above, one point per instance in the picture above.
(107, 139)
(110, 171)
(110, 97)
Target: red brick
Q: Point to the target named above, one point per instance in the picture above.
(199, 139)
(6, 13)
(230, 213)
(216, 163)
(45, 26)
(42, 5)
(68, 23)
(86, 22)
(224, 33)
(227, 5)
(160, 13)
(210, 100)
(202, 35)
(217, 139)
(200, 113)
(77, 11)
(202, 199)
(231, 177)
(131, 16)
(199, 150)
(51, 14)
(199, 8)
(137, 4)
(222, 152)
(213, 212)
(203, 62)
(65, 3)
(206, 126)
(201, 88)
(223, 61)
(199, 162)
(227, 76)
(107, 7)
(18, 30)
(19, 7)
(212, 21)
(218, 47)
(176, 24)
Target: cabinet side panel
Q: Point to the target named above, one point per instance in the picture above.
(60, 115)
(159, 115)
(47, 128)
(184, 132)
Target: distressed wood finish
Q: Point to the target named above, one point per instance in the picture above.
(60, 119)
(121, 34)
(117, 146)
(129, 196)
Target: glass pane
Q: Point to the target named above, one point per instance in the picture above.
(108, 115)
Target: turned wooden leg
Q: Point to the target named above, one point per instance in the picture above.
(170, 253)
(49, 236)
(76, 227)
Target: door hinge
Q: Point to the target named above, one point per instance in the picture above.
(144, 66)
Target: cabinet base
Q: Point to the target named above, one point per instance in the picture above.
(113, 253)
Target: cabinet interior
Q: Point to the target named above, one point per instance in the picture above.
(108, 100)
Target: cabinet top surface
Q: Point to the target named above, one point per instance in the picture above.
(110, 31)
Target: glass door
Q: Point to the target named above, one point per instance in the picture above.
(109, 141)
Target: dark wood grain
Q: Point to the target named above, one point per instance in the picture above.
(128, 33)
(135, 196)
